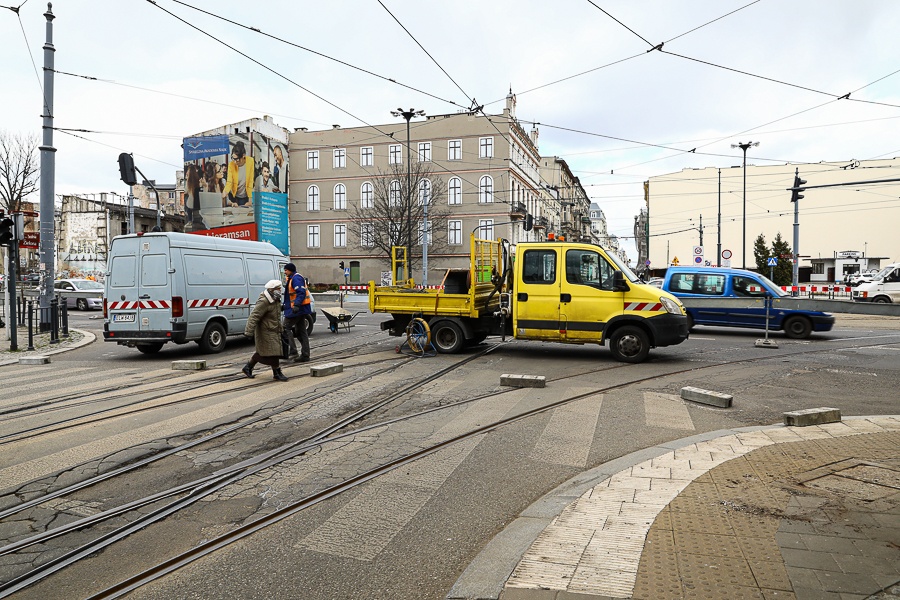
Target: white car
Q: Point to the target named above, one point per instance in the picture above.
(83, 294)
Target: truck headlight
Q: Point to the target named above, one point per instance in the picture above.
(671, 306)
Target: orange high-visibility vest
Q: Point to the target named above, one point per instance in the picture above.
(292, 292)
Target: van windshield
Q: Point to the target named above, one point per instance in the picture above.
(772, 286)
(627, 272)
(883, 273)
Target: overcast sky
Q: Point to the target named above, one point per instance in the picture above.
(617, 111)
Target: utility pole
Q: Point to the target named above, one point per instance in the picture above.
(48, 177)
(701, 230)
(408, 115)
(795, 198)
(719, 225)
(744, 147)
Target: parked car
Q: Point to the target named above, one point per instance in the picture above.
(697, 283)
(864, 277)
(83, 294)
(656, 282)
(31, 279)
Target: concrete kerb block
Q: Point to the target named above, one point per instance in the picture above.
(532, 381)
(812, 416)
(188, 365)
(707, 397)
(38, 359)
(326, 369)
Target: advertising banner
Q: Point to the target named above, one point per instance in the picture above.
(236, 186)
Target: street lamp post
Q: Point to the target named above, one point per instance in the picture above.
(408, 115)
(744, 146)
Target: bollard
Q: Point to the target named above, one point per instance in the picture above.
(54, 321)
(65, 318)
(30, 327)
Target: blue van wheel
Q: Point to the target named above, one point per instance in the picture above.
(797, 328)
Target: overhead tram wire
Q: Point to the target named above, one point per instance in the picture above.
(81, 137)
(16, 9)
(320, 54)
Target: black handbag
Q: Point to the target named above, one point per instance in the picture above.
(285, 344)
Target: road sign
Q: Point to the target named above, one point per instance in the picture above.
(772, 262)
(675, 261)
(698, 250)
(726, 254)
(347, 272)
(726, 263)
(698, 260)
(708, 264)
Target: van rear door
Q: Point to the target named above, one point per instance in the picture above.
(154, 285)
(122, 287)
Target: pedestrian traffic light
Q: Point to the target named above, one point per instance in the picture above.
(528, 225)
(795, 191)
(126, 169)
(7, 231)
(342, 265)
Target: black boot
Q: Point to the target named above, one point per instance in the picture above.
(278, 375)
(248, 370)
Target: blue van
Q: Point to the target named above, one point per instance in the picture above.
(694, 284)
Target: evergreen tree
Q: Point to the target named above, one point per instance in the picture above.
(760, 254)
(784, 271)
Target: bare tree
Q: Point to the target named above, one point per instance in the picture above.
(19, 169)
(393, 217)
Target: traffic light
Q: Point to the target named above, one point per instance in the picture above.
(528, 225)
(126, 169)
(342, 265)
(7, 231)
(795, 191)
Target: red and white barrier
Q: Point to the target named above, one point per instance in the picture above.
(354, 287)
(822, 289)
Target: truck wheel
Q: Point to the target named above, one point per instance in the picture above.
(447, 337)
(149, 348)
(629, 344)
(213, 339)
(797, 328)
(81, 304)
(882, 300)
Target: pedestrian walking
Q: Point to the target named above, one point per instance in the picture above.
(264, 326)
(296, 305)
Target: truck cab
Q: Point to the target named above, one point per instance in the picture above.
(883, 289)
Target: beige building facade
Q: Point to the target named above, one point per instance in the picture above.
(859, 219)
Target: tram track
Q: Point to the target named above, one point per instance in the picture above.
(198, 489)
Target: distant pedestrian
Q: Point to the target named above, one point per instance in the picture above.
(296, 305)
(264, 325)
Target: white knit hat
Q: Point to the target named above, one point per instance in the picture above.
(273, 284)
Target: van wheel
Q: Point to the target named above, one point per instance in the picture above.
(797, 328)
(213, 339)
(629, 344)
(882, 300)
(149, 348)
(447, 337)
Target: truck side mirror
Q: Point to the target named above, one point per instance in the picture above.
(619, 283)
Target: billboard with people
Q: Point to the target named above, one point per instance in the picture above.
(235, 184)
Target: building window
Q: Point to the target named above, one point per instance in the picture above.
(486, 189)
(454, 233)
(340, 236)
(486, 229)
(312, 236)
(367, 235)
(395, 234)
(454, 191)
(312, 198)
(340, 158)
(486, 147)
(366, 196)
(312, 160)
(424, 191)
(366, 156)
(394, 193)
(340, 197)
(454, 150)
(424, 151)
(421, 231)
(395, 154)
(818, 268)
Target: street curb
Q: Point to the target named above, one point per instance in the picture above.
(12, 358)
(486, 575)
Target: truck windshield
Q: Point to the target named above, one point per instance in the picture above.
(883, 273)
(628, 273)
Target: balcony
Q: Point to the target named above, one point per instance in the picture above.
(586, 220)
(517, 209)
(540, 223)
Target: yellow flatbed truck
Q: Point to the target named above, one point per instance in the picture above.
(553, 291)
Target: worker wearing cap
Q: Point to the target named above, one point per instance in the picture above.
(296, 305)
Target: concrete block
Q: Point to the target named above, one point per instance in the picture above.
(812, 416)
(326, 369)
(707, 397)
(188, 365)
(34, 360)
(533, 381)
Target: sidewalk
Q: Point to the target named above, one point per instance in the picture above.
(759, 512)
(42, 345)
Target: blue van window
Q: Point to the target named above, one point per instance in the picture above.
(214, 270)
(539, 266)
(747, 286)
(122, 271)
(154, 270)
(261, 271)
(682, 282)
(707, 284)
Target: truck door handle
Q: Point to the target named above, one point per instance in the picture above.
(521, 296)
(565, 297)
(144, 297)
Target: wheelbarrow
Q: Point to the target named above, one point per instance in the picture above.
(338, 317)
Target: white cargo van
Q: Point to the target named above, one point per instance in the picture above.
(180, 287)
(884, 288)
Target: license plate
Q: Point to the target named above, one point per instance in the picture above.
(123, 318)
